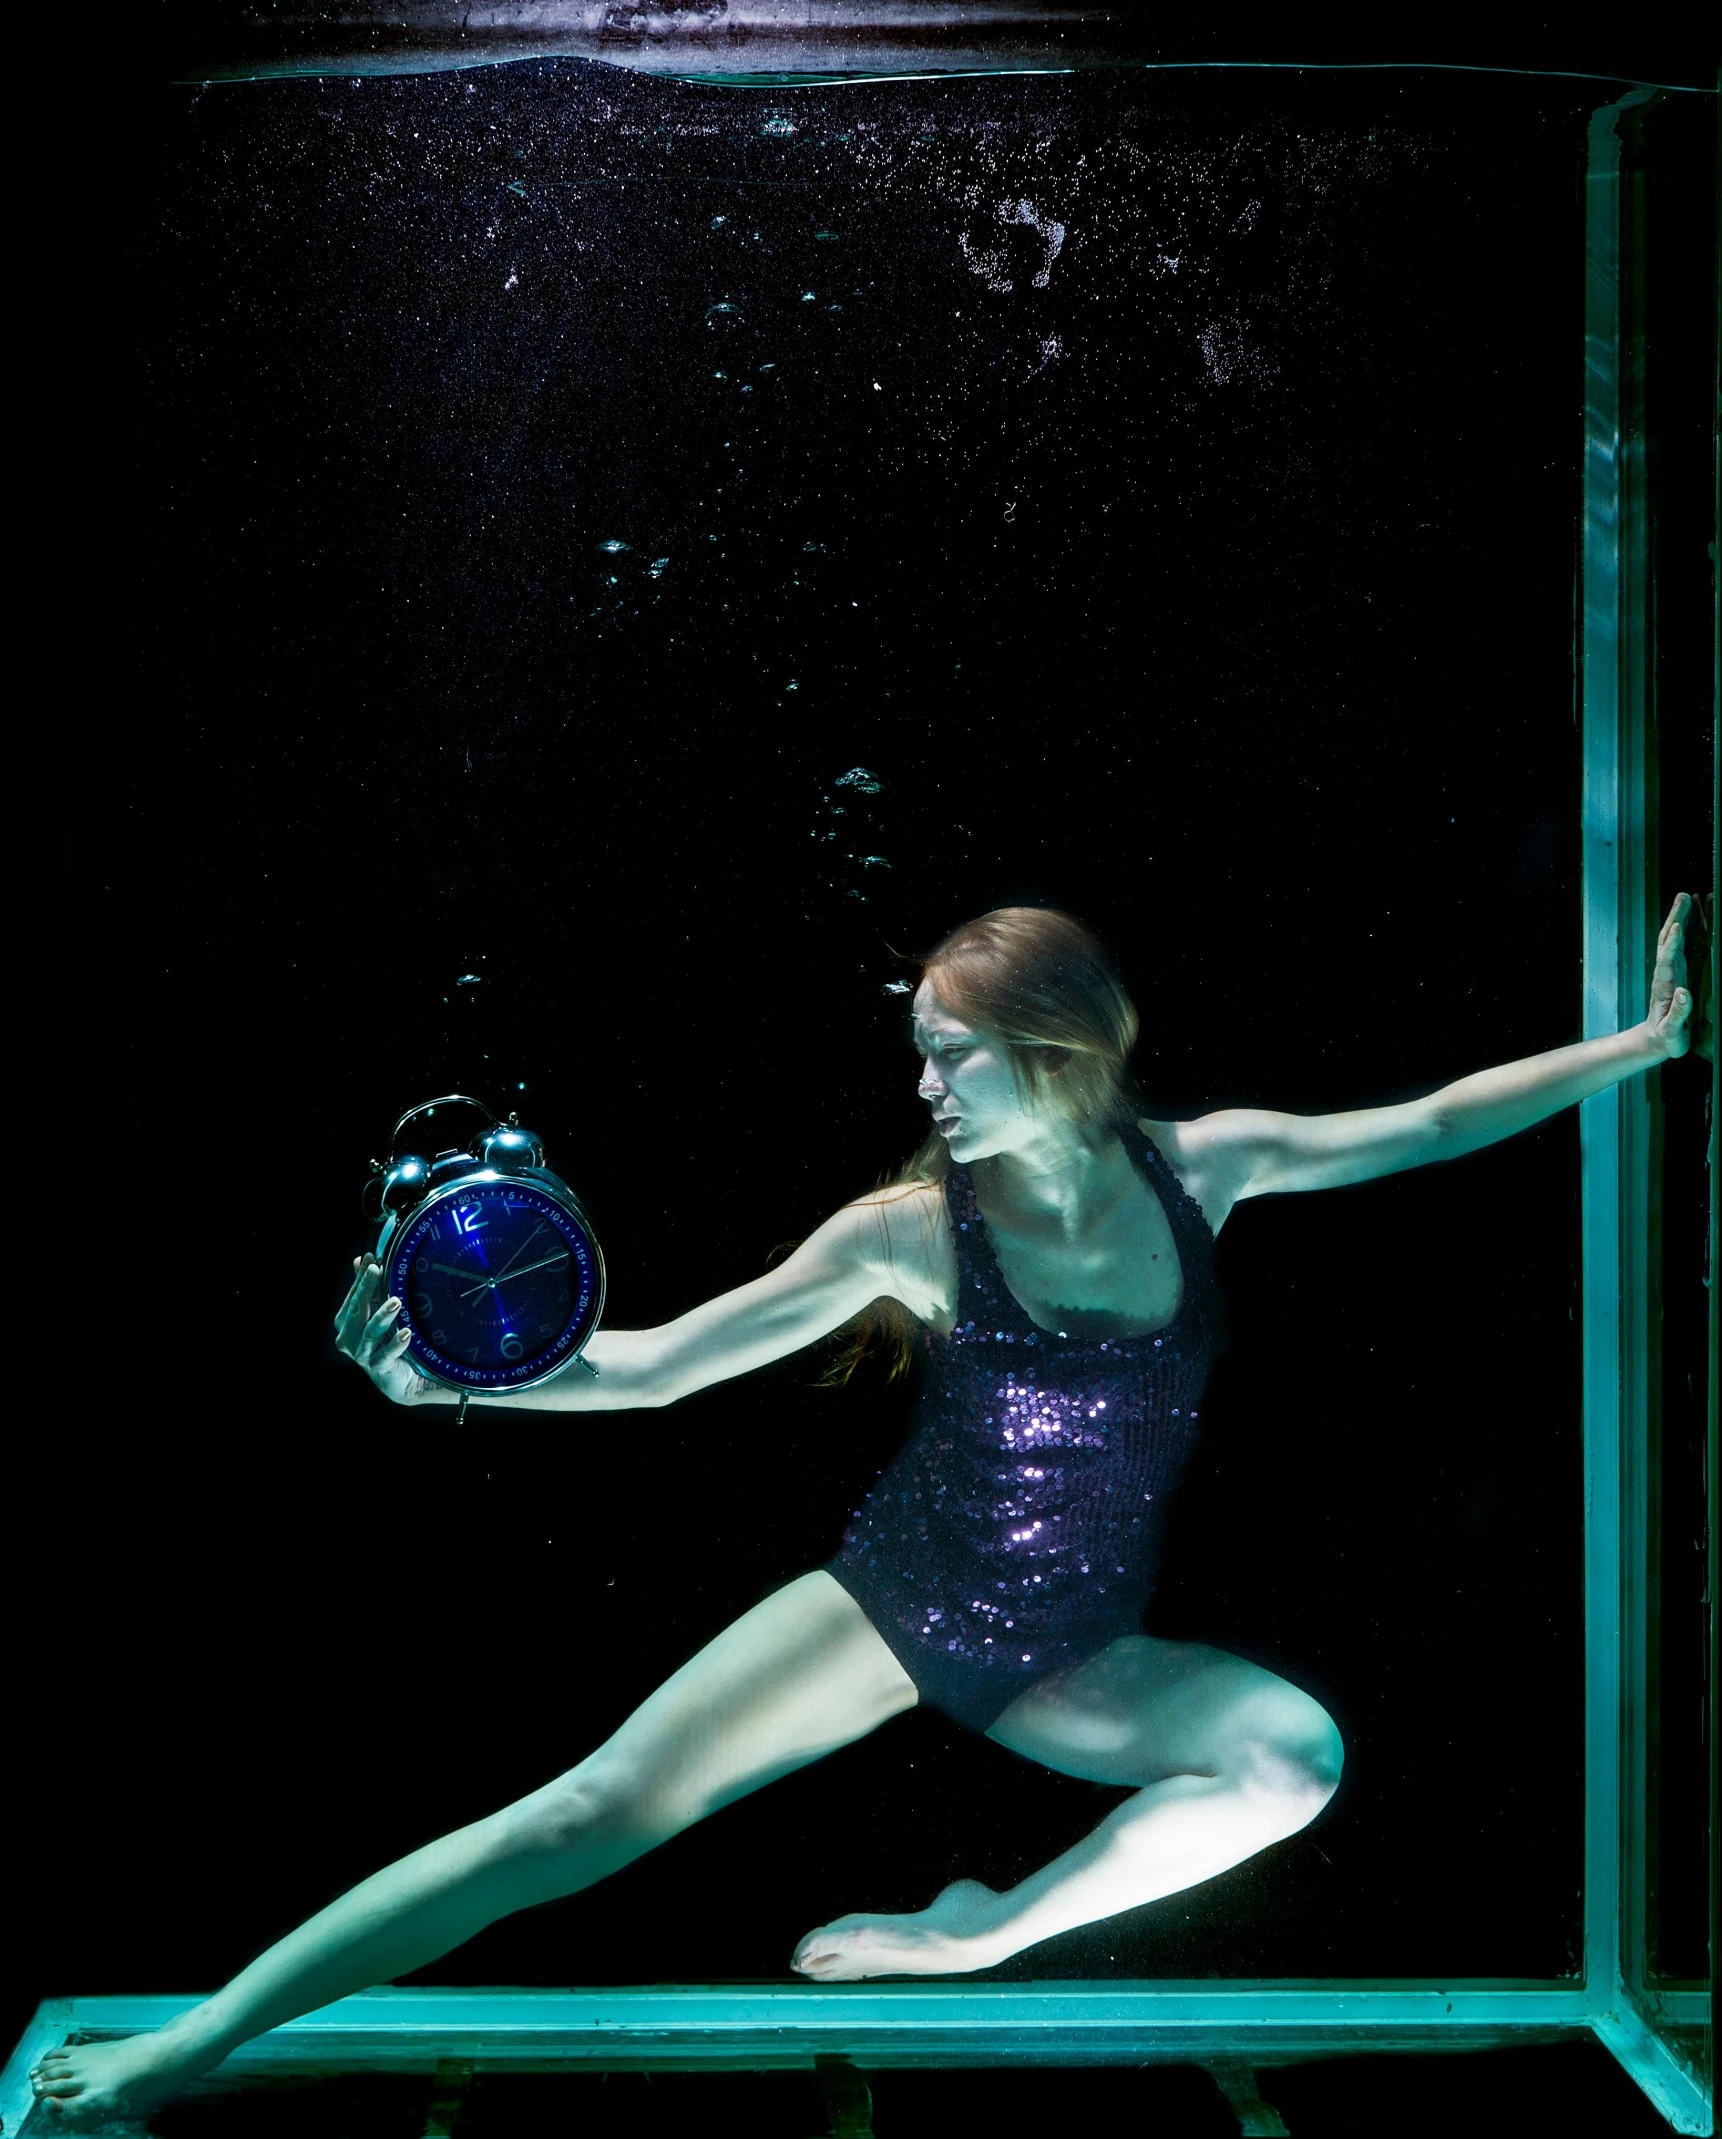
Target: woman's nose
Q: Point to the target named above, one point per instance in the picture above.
(931, 1084)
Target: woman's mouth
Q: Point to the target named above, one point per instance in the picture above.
(947, 1122)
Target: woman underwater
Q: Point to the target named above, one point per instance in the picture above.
(1056, 1248)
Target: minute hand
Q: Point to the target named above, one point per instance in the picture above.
(502, 1277)
(508, 1267)
(489, 1284)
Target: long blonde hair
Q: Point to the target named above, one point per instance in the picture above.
(1041, 983)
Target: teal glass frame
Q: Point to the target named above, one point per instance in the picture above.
(1658, 2030)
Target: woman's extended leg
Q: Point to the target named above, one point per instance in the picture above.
(793, 1679)
(1229, 1758)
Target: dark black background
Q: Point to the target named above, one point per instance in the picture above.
(1220, 589)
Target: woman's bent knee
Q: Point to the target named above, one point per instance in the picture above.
(1295, 1758)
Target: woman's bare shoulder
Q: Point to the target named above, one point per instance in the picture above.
(916, 1258)
(909, 1210)
(1199, 1159)
(1174, 1140)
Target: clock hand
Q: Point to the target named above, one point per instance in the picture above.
(490, 1284)
(518, 1253)
(503, 1275)
(448, 1270)
(508, 1269)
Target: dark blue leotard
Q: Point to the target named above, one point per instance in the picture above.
(1019, 1527)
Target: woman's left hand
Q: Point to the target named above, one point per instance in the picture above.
(1674, 1020)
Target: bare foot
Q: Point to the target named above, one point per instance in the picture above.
(955, 1933)
(109, 2086)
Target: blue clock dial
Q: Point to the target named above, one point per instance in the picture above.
(501, 1280)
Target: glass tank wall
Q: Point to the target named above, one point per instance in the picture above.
(627, 564)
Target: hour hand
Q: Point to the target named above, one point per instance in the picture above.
(485, 1284)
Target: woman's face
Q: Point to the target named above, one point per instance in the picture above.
(966, 1080)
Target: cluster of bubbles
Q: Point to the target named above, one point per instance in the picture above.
(844, 833)
(614, 546)
(849, 796)
(475, 980)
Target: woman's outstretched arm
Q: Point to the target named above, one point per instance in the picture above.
(1248, 1151)
(876, 1246)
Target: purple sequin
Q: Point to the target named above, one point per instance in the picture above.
(1016, 1479)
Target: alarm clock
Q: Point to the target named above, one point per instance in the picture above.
(498, 1271)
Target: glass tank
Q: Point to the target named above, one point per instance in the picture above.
(633, 548)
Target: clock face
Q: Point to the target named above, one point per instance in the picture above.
(501, 1280)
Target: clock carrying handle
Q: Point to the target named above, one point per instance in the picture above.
(449, 1099)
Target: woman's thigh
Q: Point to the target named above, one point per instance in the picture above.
(799, 1675)
(1144, 1708)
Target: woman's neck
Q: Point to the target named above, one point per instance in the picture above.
(1065, 1185)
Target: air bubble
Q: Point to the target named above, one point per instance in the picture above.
(897, 987)
(859, 778)
(467, 980)
(613, 547)
(874, 861)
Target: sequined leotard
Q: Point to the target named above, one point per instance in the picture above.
(1019, 1527)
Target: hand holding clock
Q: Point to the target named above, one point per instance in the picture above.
(366, 1333)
